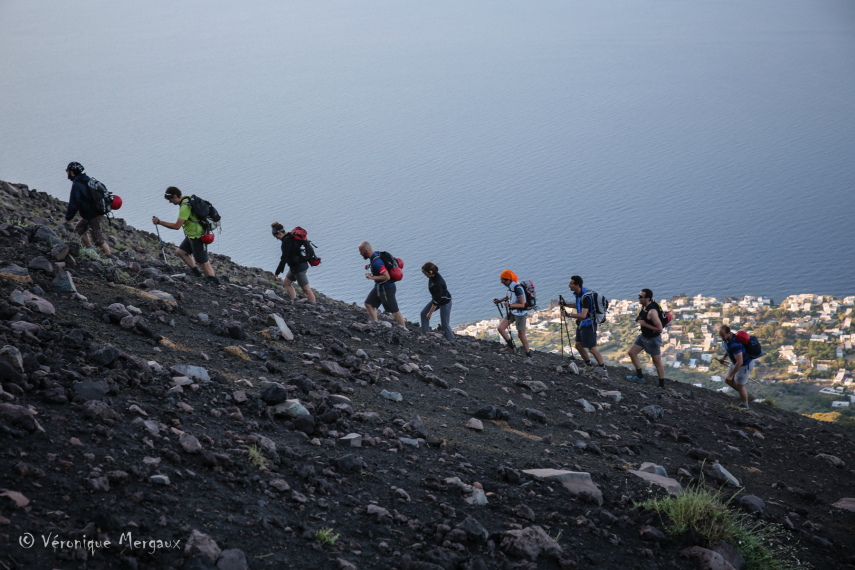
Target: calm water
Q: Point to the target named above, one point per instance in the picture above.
(682, 146)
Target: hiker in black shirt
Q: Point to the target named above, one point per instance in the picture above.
(297, 266)
(80, 201)
(440, 299)
(649, 339)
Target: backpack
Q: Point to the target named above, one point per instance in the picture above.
(100, 198)
(306, 251)
(753, 348)
(599, 306)
(394, 265)
(204, 212)
(664, 316)
(530, 295)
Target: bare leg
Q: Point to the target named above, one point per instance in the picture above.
(289, 286)
(523, 340)
(657, 362)
(597, 355)
(399, 318)
(582, 352)
(503, 329)
(86, 241)
(310, 295)
(372, 312)
(186, 258)
(633, 355)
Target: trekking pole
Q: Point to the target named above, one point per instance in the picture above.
(561, 330)
(566, 327)
(162, 251)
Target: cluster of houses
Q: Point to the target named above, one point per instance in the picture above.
(692, 340)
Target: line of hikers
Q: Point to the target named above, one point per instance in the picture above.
(198, 218)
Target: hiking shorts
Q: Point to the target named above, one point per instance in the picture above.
(650, 345)
(300, 279)
(587, 336)
(518, 321)
(383, 296)
(94, 227)
(199, 249)
(741, 377)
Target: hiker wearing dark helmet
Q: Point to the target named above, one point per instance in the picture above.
(516, 315)
(383, 292)
(79, 202)
(193, 232)
(742, 362)
(297, 264)
(650, 321)
(440, 299)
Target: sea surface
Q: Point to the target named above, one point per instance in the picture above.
(688, 147)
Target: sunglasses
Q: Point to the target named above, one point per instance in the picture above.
(277, 232)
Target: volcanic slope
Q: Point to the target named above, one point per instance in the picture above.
(197, 426)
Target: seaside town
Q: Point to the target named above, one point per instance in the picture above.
(807, 343)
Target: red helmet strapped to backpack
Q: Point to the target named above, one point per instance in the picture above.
(117, 202)
(207, 239)
(743, 337)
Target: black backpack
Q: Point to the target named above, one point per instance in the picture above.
(753, 348)
(205, 212)
(100, 198)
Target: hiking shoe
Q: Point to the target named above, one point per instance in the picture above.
(212, 280)
(196, 271)
(601, 370)
(634, 378)
(528, 361)
(662, 382)
(507, 350)
(743, 405)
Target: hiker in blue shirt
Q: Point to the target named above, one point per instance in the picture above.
(743, 363)
(586, 324)
(383, 292)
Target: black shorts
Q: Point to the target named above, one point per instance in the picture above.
(383, 296)
(199, 249)
(587, 336)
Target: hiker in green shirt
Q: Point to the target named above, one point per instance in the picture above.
(193, 233)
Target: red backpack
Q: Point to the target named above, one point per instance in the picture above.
(394, 265)
(307, 251)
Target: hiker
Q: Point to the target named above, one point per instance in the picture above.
(440, 299)
(298, 265)
(649, 340)
(742, 362)
(514, 302)
(383, 292)
(586, 324)
(80, 202)
(193, 232)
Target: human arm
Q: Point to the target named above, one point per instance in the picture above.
(179, 223)
(520, 294)
(737, 364)
(380, 267)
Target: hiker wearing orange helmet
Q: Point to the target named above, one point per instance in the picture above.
(515, 305)
(193, 232)
(742, 361)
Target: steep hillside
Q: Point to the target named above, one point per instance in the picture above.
(191, 427)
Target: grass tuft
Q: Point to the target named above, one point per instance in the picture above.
(256, 457)
(764, 546)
